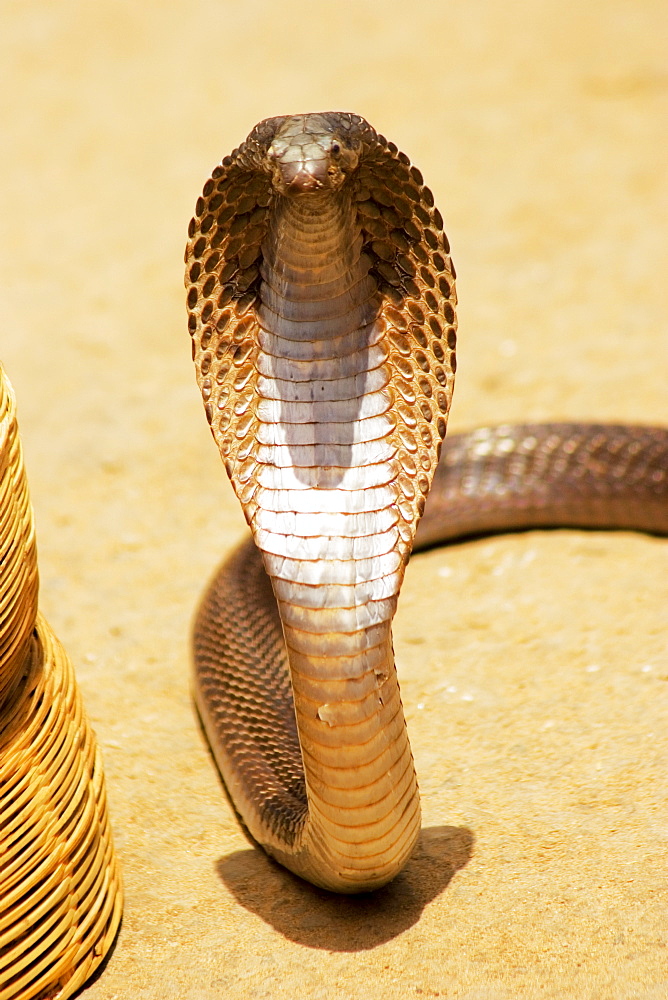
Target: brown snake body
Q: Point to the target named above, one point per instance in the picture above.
(321, 298)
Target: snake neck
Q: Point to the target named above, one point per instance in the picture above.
(324, 517)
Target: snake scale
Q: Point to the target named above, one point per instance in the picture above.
(321, 303)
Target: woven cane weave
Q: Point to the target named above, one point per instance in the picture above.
(60, 886)
(18, 557)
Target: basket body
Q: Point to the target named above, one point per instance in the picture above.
(60, 885)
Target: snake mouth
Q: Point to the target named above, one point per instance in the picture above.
(300, 176)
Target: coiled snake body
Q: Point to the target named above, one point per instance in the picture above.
(322, 309)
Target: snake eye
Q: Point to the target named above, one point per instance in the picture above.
(335, 149)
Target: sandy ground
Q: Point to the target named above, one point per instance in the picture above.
(532, 666)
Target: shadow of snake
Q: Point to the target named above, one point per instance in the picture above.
(317, 918)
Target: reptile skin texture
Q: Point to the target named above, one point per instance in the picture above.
(321, 305)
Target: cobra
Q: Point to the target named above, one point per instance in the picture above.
(321, 304)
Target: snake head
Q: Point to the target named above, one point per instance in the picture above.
(308, 153)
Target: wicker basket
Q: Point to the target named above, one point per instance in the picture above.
(60, 885)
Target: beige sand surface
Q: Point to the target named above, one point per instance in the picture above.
(533, 666)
